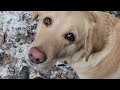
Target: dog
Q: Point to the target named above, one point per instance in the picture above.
(89, 41)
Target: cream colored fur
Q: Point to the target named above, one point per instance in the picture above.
(95, 54)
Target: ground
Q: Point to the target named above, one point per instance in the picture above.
(17, 32)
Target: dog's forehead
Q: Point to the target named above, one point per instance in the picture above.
(62, 14)
(43, 13)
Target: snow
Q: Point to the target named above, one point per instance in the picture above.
(10, 21)
(1, 51)
(3, 72)
(15, 51)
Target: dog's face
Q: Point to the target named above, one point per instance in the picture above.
(59, 35)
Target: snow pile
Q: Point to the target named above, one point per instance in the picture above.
(13, 23)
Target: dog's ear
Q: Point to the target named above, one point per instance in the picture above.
(88, 44)
(34, 16)
(93, 16)
(90, 35)
(94, 38)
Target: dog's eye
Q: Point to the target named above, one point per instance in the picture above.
(70, 37)
(47, 21)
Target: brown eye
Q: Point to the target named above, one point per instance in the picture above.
(47, 21)
(70, 37)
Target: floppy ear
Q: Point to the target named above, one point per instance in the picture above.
(88, 44)
(90, 35)
(34, 16)
(94, 39)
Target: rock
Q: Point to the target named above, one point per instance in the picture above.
(34, 27)
(35, 75)
(2, 39)
(23, 32)
(70, 75)
(38, 78)
(12, 77)
(5, 37)
(60, 71)
(29, 40)
(7, 61)
(8, 46)
(4, 60)
(24, 73)
(23, 17)
(17, 39)
(24, 39)
(2, 55)
(21, 50)
(11, 69)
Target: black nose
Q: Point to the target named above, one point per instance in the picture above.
(36, 55)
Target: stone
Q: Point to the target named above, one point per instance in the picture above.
(24, 73)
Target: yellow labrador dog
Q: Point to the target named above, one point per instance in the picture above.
(89, 41)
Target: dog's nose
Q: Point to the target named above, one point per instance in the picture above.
(36, 55)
